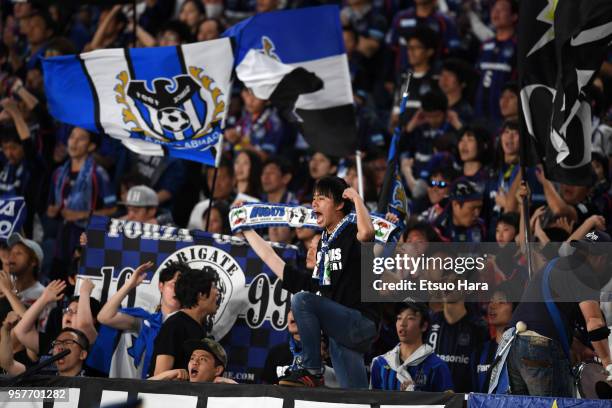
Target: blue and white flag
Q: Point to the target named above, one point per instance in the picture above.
(171, 99)
(12, 215)
(296, 59)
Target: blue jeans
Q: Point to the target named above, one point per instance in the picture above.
(350, 335)
(538, 366)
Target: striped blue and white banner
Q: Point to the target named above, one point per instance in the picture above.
(155, 100)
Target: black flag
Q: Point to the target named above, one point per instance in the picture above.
(561, 46)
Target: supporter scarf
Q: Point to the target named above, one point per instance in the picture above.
(263, 215)
(322, 271)
(401, 368)
(296, 351)
(500, 382)
(80, 197)
(144, 343)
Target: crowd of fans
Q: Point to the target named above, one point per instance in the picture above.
(459, 153)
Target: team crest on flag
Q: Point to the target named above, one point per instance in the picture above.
(157, 101)
(231, 283)
(184, 108)
(399, 201)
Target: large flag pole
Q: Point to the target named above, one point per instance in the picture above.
(525, 204)
(211, 200)
(219, 154)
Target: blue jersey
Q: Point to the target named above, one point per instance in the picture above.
(265, 132)
(455, 344)
(419, 144)
(452, 233)
(481, 366)
(496, 66)
(406, 21)
(432, 374)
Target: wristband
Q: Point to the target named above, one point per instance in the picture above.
(599, 334)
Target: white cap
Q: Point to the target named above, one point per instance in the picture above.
(141, 196)
(16, 238)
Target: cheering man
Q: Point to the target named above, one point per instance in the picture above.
(338, 312)
(206, 364)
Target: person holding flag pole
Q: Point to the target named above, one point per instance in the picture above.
(393, 195)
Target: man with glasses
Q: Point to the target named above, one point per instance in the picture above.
(71, 365)
(39, 341)
(419, 51)
(429, 204)
(75, 341)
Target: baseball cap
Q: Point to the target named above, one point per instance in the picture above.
(465, 190)
(141, 196)
(417, 307)
(16, 238)
(209, 345)
(591, 242)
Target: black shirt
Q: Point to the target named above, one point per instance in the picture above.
(571, 281)
(345, 266)
(456, 344)
(174, 332)
(278, 360)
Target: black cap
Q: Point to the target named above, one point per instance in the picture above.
(417, 307)
(592, 241)
(209, 345)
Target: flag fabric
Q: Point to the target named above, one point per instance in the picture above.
(161, 100)
(393, 197)
(561, 46)
(12, 215)
(103, 392)
(296, 59)
(252, 313)
(513, 401)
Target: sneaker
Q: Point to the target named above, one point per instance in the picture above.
(302, 378)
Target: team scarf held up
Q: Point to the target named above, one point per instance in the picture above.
(263, 215)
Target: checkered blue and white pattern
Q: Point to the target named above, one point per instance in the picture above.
(253, 314)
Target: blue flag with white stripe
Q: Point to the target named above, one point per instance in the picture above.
(12, 216)
(160, 100)
(296, 59)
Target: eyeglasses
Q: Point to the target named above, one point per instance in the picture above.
(64, 343)
(69, 311)
(436, 183)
